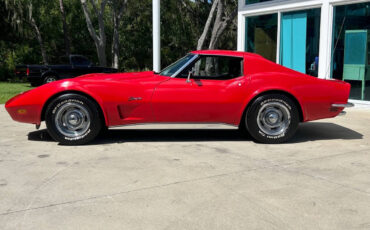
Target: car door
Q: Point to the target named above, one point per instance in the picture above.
(63, 68)
(214, 92)
(80, 65)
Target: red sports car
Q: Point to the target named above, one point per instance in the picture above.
(242, 89)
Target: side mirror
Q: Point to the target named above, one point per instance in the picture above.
(190, 74)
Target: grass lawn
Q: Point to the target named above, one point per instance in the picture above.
(8, 90)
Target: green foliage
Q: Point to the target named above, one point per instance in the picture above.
(13, 48)
(9, 90)
(182, 23)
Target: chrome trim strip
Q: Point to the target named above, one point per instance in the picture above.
(348, 105)
(184, 66)
(175, 123)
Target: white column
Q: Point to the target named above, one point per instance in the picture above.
(278, 39)
(241, 32)
(326, 32)
(156, 35)
(241, 26)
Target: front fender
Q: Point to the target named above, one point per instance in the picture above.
(28, 107)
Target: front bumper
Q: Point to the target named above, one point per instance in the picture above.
(22, 111)
(25, 113)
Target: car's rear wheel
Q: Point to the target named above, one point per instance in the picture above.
(272, 119)
(73, 119)
(49, 79)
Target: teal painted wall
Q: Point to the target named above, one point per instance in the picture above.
(293, 41)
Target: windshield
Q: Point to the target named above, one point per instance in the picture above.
(173, 68)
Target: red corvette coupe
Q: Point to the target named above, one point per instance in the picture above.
(242, 89)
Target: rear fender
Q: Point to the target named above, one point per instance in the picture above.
(49, 73)
(259, 85)
(272, 90)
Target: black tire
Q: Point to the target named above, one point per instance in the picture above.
(268, 111)
(69, 112)
(50, 78)
(243, 128)
(35, 84)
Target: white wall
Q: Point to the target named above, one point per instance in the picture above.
(280, 6)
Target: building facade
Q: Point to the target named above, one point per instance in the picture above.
(328, 39)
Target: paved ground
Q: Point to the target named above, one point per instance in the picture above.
(188, 179)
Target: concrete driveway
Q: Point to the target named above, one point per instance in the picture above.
(146, 178)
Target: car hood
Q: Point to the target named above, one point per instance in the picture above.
(135, 76)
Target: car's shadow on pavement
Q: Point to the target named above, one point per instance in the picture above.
(312, 131)
(154, 135)
(306, 132)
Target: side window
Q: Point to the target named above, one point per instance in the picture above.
(81, 61)
(215, 68)
(64, 60)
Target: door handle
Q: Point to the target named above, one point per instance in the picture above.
(134, 98)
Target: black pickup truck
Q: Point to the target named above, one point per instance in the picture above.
(73, 66)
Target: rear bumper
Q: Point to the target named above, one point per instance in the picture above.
(342, 113)
(341, 107)
(348, 105)
(34, 79)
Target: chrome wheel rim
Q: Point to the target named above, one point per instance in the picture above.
(72, 119)
(50, 79)
(273, 118)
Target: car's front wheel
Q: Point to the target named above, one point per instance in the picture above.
(272, 119)
(73, 119)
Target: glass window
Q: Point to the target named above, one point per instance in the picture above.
(173, 68)
(215, 68)
(80, 60)
(64, 60)
(313, 41)
(261, 35)
(351, 53)
(255, 1)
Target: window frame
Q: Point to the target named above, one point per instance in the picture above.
(254, 3)
(195, 56)
(199, 56)
(73, 61)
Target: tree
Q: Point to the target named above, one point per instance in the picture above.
(67, 37)
(38, 36)
(99, 40)
(118, 7)
(224, 16)
(23, 13)
(126, 24)
(207, 25)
